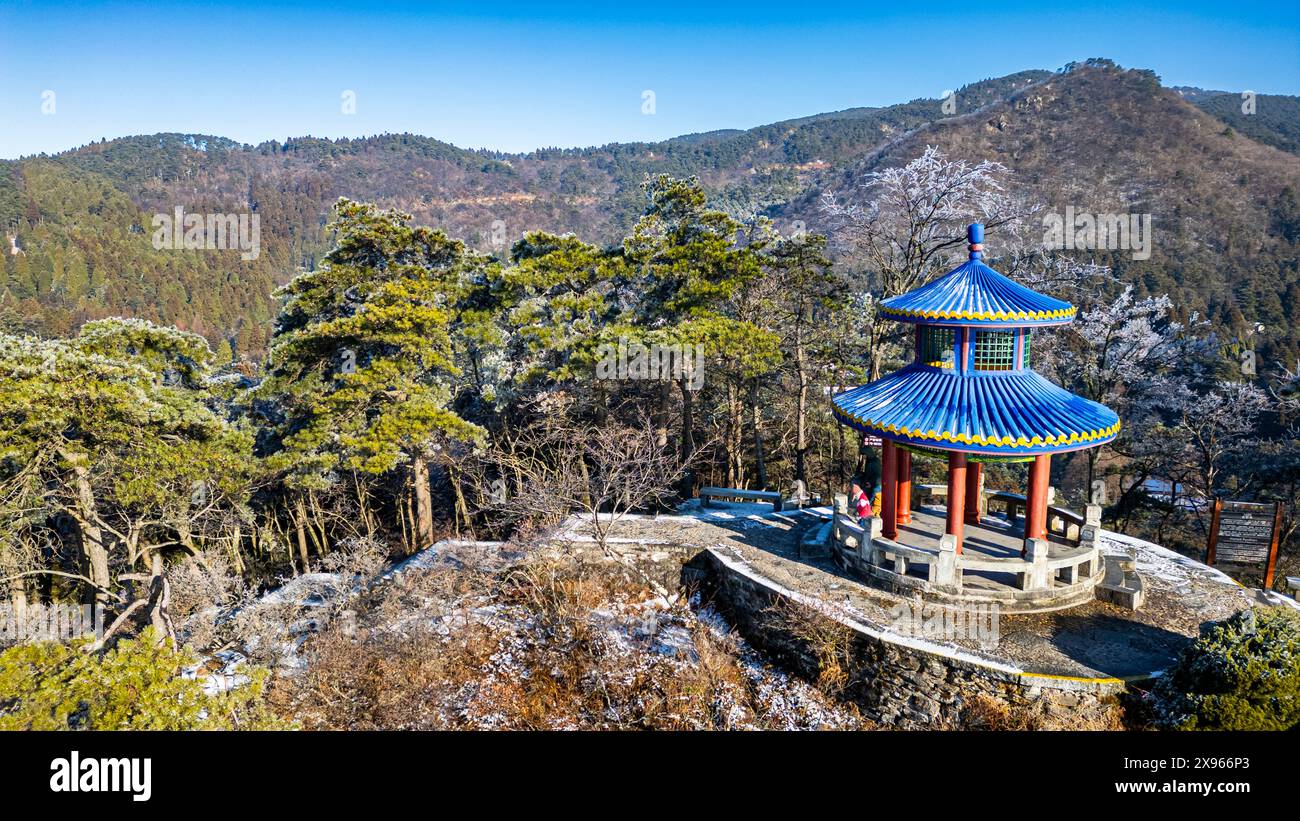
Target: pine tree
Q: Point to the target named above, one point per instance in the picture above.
(362, 365)
(114, 432)
(690, 271)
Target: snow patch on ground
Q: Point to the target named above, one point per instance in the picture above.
(220, 673)
(1160, 562)
(1280, 600)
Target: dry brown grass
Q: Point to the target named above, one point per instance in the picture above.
(983, 712)
(543, 644)
(828, 641)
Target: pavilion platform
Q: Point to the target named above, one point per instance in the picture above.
(993, 538)
(793, 551)
(993, 563)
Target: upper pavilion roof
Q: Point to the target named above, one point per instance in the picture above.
(973, 294)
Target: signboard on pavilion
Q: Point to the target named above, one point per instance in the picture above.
(1245, 533)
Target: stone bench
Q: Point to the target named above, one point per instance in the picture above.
(732, 494)
(1013, 504)
(1064, 523)
(1293, 582)
(1121, 585)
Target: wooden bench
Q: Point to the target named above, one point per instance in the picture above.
(732, 494)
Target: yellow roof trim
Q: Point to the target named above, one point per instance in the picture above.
(980, 315)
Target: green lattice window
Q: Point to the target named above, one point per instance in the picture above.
(1025, 360)
(995, 350)
(937, 346)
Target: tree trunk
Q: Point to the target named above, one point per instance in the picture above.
(760, 465)
(735, 476)
(18, 601)
(94, 552)
(423, 503)
(300, 526)
(319, 536)
(801, 414)
(877, 352)
(363, 506)
(404, 519)
(839, 460)
(584, 472)
(688, 432)
(462, 508)
(661, 416)
(236, 555)
(687, 488)
(1173, 507)
(185, 536)
(159, 598)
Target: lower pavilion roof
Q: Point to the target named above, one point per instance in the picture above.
(995, 412)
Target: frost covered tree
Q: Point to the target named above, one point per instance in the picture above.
(1286, 387)
(1210, 427)
(1121, 354)
(1063, 276)
(903, 221)
(601, 469)
(112, 445)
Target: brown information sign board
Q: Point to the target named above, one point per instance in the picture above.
(1244, 533)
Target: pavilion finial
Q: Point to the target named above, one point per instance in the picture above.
(975, 233)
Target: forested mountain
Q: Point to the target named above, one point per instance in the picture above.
(1103, 141)
(1223, 199)
(1274, 120)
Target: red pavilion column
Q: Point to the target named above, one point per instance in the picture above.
(889, 489)
(956, 494)
(974, 470)
(904, 486)
(1040, 474)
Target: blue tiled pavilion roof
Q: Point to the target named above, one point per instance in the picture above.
(973, 294)
(1015, 413)
(1012, 413)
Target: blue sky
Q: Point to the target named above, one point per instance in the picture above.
(517, 76)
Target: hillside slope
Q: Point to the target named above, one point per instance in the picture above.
(1103, 140)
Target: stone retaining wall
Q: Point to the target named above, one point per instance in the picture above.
(896, 680)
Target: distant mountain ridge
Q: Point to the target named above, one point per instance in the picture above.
(81, 217)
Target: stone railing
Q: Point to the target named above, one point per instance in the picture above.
(1061, 522)
(1045, 577)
